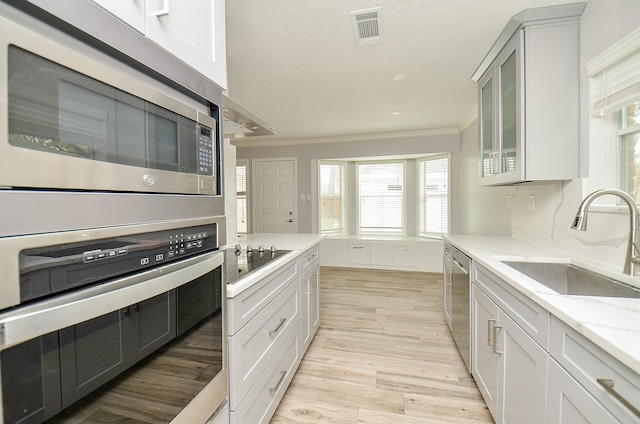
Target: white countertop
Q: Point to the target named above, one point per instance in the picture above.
(611, 323)
(297, 243)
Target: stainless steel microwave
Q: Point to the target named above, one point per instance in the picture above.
(74, 118)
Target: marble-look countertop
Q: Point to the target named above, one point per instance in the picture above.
(611, 323)
(296, 243)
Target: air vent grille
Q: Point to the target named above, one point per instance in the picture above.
(367, 25)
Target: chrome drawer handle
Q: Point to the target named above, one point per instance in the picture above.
(358, 247)
(495, 340)
(279, 383)
(609, 387)
(490, 322)
(275, 330)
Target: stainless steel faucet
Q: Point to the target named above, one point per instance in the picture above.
(633, 248)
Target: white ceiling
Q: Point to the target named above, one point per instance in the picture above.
(296, 64)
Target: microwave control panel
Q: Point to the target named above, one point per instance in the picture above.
(205, 151)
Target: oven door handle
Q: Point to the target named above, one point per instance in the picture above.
(35, 320)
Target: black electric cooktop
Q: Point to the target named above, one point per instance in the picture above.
(241, 262)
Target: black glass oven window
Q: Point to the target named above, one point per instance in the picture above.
(58, 110)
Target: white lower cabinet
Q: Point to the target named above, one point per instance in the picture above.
(509, 367)
(379, 253)
(382, 253)
(271, 324)
(568, 402)
(310, 301)
(262, 399)
(359, 253)
(602, 382)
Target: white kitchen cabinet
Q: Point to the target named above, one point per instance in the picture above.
(529, 104)
(609, 385)
(310, 301)
(509, 366)
(403, 254)
(359, 252)
(131, 12)
(255, 345)
(568, 402)
(380, 253)
(193, 31)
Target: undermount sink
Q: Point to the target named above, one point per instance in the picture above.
(572, 280)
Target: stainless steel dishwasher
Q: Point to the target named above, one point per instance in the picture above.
(460, 307)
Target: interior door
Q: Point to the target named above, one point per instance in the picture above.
(273, 196)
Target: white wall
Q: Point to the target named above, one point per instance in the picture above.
(475, 209)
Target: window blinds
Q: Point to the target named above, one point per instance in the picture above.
(434, 196)
(332, 198)
(615, 76)
(381, 197)
(241, 193)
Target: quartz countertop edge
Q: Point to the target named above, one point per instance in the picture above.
(297, 243)
(611, 323)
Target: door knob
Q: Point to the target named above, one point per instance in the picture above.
(291, 220)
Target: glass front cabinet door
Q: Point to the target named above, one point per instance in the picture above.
(500, 128)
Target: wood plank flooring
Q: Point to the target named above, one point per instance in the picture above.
(383, 355)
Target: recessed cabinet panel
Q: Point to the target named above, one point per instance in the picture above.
(359, 253)
(380, 253)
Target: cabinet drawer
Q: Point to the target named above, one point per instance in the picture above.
(403, 254)
(263, 398)
(359, 253)
(380, 253)
(246, 305)
(588, 363)
(309, 258)
(256, 343)
(533, 318)
(569, 403)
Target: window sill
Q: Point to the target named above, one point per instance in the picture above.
(609, 208)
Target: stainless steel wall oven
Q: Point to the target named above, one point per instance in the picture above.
(112, 305)
(126, 322)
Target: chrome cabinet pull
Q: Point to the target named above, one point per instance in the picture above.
(490, 323)
(165, 9)
(275, 330)
(450, 282)
(609, 387)
(358, 247)
(279, 383)
(495, 339)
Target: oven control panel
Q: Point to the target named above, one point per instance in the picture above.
(52, 269)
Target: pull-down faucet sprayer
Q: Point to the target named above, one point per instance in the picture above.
(633, 246)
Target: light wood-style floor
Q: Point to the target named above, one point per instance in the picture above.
(383, 355)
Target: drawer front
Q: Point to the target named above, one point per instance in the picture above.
(263, 398)
(404, 254)
(251, 301)
(380, 253)
(569, 403)
(359, 253)
(309, 258)
(533, 318)
(587, 363)
(251, 349)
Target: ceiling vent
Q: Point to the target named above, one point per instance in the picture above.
(367, 25)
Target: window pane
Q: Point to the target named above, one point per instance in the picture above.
(332, 197)
(434, 196)
(631, 164)
(241, 192)
(381, 197)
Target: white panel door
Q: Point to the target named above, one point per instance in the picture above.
(273, 196)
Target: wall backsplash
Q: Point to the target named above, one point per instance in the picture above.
(556, 205)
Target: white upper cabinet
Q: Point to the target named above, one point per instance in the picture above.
(192, 31)
(132, 12)
(529, 99)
